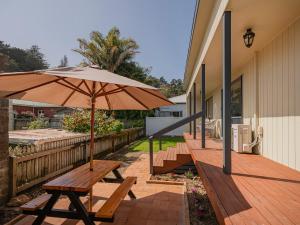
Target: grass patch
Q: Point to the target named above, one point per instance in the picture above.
(143, 144)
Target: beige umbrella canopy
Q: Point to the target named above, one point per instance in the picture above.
(84, 87)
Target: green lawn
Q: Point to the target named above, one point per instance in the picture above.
(143, 144)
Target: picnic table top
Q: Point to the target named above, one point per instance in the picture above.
(82, 179)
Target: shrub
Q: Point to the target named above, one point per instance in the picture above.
(38, 123)
(116, 126)
(79, 121)
(138, 123)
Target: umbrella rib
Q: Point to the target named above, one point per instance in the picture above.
(132, 96)
(87, 87)
(33, 87)
(72, 93)
(117, 90)
(106, 97)
(155, 95)
(82, 91)
(98, 92)
(78, 90)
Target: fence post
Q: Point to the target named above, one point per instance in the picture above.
(85, 158)
(13, 176)
(113, 143)
(128, 139)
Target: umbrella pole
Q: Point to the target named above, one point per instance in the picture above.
(92, 135)
(92, 150)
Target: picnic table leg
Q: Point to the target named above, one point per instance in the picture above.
(119, 176)
(49, 205)
(71, 206)
(81, 210)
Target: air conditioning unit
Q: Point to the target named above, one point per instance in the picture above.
(241, 136)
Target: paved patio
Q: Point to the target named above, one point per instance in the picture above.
(156, 204)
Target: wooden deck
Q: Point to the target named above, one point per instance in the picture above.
(259, 191)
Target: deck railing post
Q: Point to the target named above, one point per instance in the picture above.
(195, 123)
(227, 91)
(203, 107)
(151, 154)
(160, 143)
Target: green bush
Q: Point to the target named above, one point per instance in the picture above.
(79, 122)
(38, 123)
(138, 123)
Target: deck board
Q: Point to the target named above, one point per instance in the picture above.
(259, 190)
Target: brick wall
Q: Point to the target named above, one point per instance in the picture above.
(4, 182)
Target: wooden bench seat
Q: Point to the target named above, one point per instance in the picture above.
(109, 208)
(36, 203)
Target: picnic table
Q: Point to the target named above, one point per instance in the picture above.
(76, 183)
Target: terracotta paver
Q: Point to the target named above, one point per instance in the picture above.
(155, 204)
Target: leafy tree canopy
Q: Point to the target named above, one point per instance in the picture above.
(14, 59)
(116, 54)
(108, 52)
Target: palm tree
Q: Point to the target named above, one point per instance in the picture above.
(107, 52)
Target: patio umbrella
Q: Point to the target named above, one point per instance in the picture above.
(84, 87)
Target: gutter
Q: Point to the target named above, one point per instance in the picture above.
(190, 42)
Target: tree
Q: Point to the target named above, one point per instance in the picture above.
(176, 87)
(63, 62)
(17, 59)
(4, 62)
(107, 52)
(35, 59)
(133, 71)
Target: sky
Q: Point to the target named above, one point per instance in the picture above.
(162, 28)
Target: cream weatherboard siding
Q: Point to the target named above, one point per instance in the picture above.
(271, 97)
(279, 97)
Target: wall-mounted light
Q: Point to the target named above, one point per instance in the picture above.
(249, 37)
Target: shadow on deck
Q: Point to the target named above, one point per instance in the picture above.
(259, 191)
(156, 204)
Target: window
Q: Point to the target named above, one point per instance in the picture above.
(177, 114)
(236, 99)
(209, 108)
(40, 113)
(170, 114)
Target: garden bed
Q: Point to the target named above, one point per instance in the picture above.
(200, 209)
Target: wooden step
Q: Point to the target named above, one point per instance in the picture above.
(171, 154)
(182, 148)
(36, 203)
(159, 158)
(174, 157)
(109, 208)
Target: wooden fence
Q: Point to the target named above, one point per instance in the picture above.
(34, 164)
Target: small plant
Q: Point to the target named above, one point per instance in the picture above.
(38, 123)
(189, 174)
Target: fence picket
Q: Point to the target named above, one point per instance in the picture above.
(50, 158)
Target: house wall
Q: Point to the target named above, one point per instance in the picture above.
(48, 111)
(279, 97)
(271, 96)
(154, 124)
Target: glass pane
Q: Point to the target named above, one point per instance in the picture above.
(236, 98)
